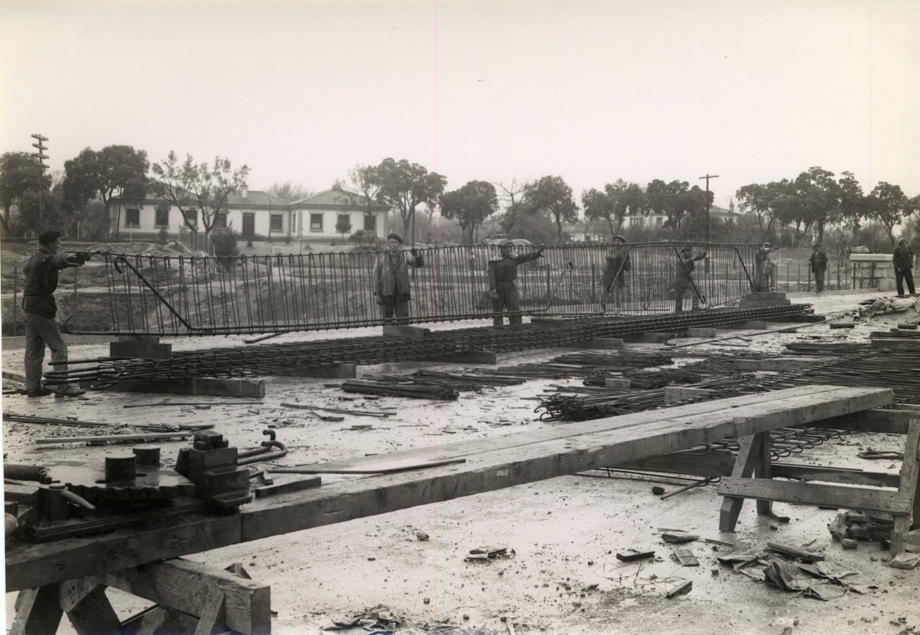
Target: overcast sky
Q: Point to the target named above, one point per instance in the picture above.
(752, 91)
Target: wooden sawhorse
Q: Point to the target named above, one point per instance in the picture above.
(753, 474)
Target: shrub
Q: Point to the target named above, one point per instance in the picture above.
(225, 245)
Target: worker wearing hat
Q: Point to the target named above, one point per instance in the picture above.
(683, 279)
(502, 289)
(903, 260)
(39, 310)
(764, 269)
(391, 273)
(613, 279)
(817, 263)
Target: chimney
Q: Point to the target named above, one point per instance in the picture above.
(244, 193)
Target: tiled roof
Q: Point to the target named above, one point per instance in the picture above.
(256, 198)
(333, 198)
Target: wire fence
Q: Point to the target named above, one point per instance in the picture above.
(173, 295)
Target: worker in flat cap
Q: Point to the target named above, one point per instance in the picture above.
(39, 309)
(683, 278)
(391, 273)
(502, 274)
(817, 264)
(613, 279)
(764, 270)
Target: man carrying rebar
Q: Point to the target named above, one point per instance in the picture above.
(502, 273)
(39, 309)
(392, 275)
(683, 278)
(614, 278)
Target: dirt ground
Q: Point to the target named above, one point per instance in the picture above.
(560, 574)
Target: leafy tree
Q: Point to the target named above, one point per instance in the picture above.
(889, 205)
(404, 186)
(675, 200)
(114, 170)
(515, 207)
(289, 191)
(614, 204)
(364, 180)
(551, 194)
(470, 205)
(343, 226)
(853, 203)
(821, 196)
(194, 187)
(19, 174)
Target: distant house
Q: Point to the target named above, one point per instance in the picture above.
(256, 215)
(657, 220)
(318, 216)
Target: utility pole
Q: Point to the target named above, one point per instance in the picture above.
(41, 156)
(707, 177)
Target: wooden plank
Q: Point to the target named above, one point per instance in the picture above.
(835, 475)
(497, 465)
(748, 456)
(117, 437)
(910, 467)
(38, 611)
(677, 413)
(885, 421)
(89, 609)
(815, 494)
(187, 586)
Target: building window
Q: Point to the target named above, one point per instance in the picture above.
(162, 216)
(370, 223)
(660, 221)
(316, 222)
(220, 220)
(191, 217)
(277, 223)
(132, 217)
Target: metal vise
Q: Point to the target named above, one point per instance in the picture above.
(212, 466)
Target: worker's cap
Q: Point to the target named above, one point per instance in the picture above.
(686, 250)
(395, 237)
(619, 238)
(903, 241)
(767, 246)
(48, 236)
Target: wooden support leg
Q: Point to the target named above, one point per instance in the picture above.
(910, 469)
(38, 611)
(763, 469)
(749, 455)
(88, 608)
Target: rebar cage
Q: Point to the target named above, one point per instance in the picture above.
(169, 295)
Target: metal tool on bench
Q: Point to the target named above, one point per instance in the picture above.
(213, 466)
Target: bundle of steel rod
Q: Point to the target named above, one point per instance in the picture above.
(619, 359)
(454, 383)
(288, 358)
(392, 389)
(471, 378)
(824, 348)
(159, 295)
(647, 379)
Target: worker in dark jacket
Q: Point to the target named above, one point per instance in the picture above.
(763, 269)
(39, 309)
(683, 278)
(614, 278)
(391, 274)
(817, 262)
(903, 260)
(502, 274)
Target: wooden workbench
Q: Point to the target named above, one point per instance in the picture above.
(489, 464)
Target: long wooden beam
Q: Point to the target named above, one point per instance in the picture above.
(505, 462)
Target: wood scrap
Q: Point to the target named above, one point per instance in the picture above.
(684, 587)
(685, 556)
(117, 438)
(795, 552)
(350, 411)
(631, 556)
(679, 538)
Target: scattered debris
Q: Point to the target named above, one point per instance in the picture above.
(422, 536)
(684, 555)
(682, 588)
(484, 554)
(905, 561)
(630, 555)
(795, 552)
(679, 538)
(857, 526)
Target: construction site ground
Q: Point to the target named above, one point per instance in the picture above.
(560, 573)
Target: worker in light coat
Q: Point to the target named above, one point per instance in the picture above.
(391, 273)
